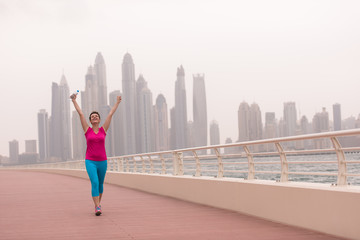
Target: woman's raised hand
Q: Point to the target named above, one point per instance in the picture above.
(118, 99)
(73, 96)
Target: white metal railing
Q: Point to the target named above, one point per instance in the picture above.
(279, 159)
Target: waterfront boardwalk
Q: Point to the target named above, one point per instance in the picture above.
(38, 205)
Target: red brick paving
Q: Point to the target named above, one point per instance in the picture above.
(49, 206)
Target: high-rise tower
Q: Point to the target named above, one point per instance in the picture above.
(337, 116)
(199, 112)
(270, 125)
(172, 131)
(214, 134)
(60, 136)
(140, 85)
(305, 129)
(43, 134)
(145, 105)
(117, 136)
(255, 127)
(90, 97)
(290, 118)
(100, 72)
(321, 121)
(14, 151)
(161, 124)
(320, 124)
(244, 122)
(180, 110)
(129, 102)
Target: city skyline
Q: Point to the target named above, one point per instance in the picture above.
(267, 53)
(250, 123)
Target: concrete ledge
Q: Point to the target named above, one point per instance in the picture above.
(331, 210)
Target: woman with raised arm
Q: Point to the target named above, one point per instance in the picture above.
(95, 159)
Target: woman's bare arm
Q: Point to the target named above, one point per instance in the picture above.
(84, 124)
(111, 113)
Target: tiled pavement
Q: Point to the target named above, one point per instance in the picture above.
(48, 206)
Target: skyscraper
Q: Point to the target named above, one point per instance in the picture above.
(304, 125)
(305, 129)
(104, 112)
(55, 124)
(321, 124)
(244, 122)
(14, 152)
(180, 110)
(214, 134)
(270, 125)
(337, 116)
(60, 136)
(100, 72)
(117, 136)
(161, 124)
(90, 97)
(255, 130)
(270, 129)
(172, 129)
(199, 112)
(140, 85)
(147, 139)
(43, 134)
(281, 127)
(290, 118)
(190, 134)
(321, 121)
(129, 102)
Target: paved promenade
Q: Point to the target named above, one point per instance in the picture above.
(49, 206)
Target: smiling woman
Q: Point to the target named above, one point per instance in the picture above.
(95, 159)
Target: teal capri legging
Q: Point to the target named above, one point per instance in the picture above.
(96, 171)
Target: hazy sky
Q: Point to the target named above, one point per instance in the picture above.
(268, 52)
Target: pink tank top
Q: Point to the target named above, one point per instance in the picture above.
(95, 145)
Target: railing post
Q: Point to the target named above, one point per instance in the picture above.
(178, 163)
(198, 167)
(342, 178)
(110, 166)
(251, 173)
(134, 161)
(151, 164)
(163, 166)
(284, 163)
(127, 165)
(120, 166)
(220, 164)
(143, 166)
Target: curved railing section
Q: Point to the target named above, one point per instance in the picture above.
(316, 158)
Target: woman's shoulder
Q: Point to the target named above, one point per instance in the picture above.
(88, 130)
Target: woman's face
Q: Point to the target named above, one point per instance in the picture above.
(94, 118)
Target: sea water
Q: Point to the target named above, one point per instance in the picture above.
(209, 167)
